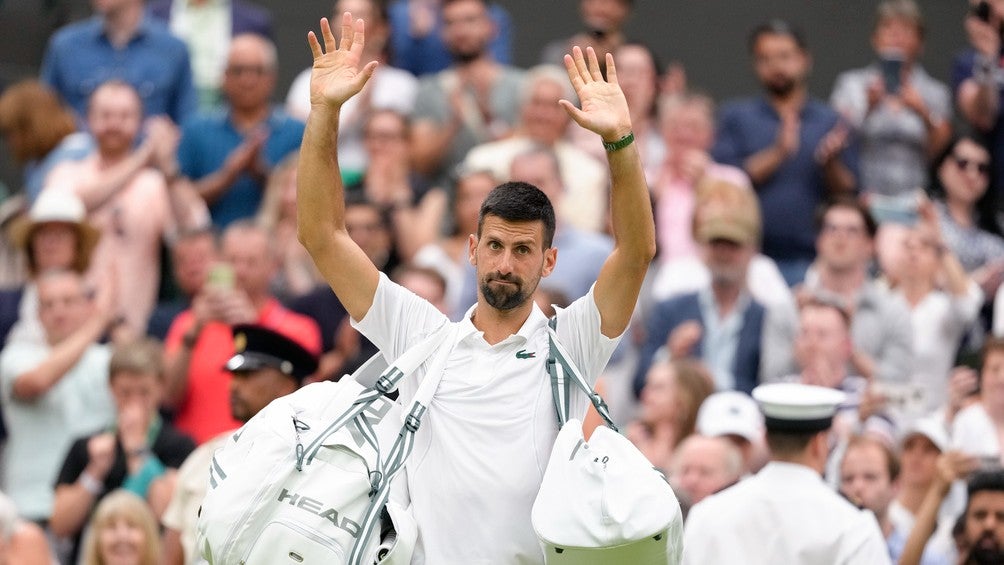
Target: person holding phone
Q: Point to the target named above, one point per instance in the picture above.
(900, 113)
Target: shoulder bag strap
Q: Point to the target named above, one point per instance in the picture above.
(562, 363)
(404, 444)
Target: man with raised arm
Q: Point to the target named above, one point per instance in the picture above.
(479, 456)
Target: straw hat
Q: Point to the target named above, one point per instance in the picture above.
(55, 207)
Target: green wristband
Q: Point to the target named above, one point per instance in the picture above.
(620, 143)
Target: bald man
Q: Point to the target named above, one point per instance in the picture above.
(229, 154)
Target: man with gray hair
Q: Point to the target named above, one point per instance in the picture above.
(228, 155)
(704, 465)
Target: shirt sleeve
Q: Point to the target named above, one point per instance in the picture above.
(397, 319)
(185, 101)
(580, 335)
(75, 463)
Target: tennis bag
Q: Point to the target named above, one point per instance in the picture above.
(601, 502)
(307, 480)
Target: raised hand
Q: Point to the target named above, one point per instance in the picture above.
(604, 108)
(336, 75)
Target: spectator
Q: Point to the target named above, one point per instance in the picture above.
(976, 428)
(582, 252)
(822, 353)
(786, 513)
(977, 85)
(140, 454)
(257, 379)
(424, 282)
(121, 42)
(450, 255)
(474, 101)
(229, 154)
(983, 535)
(417, 44)
(741, 340)
(203, 26)
(125, 189)
(687, 125)
(900, 113)
(277, 216)
(673, 392)
(703, 466)
(123, 531)
(40, 132)
(881, 332)
(55, 235)
(603, 30)
(21, 542)
(198, 342)
(792, 146)
(193, 254)
(944, 304)
(543, 123)
(54, 391)
(923, 452)
(390, 88)
(736, 417)
(869, 474)
(960, 197)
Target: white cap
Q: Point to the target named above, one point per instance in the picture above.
(730, 413)
(932, 429)
(798, 408)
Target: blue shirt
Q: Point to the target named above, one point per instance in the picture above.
(423, 55)
(80, 58)
(207, 140)
(789, 198)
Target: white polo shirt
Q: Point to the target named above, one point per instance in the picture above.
(481, 451)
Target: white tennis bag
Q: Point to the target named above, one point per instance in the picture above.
(307, 480)
(601, 502)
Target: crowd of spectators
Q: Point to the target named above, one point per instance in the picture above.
(855, 243)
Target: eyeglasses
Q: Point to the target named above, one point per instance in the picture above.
(982, 167)
(237, 70)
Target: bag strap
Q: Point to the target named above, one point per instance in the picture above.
(403, 445)
(387, 382)
(562, 370)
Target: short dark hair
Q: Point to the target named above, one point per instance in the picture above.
(984, 481)
(786, 445)
(777, 27)
(851, 203)
(518, 201)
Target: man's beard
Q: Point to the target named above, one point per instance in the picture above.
(504, 298)
(465, 56)
(781, 88)
(988, 554)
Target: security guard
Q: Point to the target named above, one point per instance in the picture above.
(786, 513)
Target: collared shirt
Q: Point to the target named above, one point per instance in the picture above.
(721, 336)
(480, 454)
(80, 58)
(783, 514)
(206, 142)
(893, 137)
(789, 197)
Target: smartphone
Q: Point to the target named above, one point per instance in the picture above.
(221, 276)
(892, 69)
(981, 10)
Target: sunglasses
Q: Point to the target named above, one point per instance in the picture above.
(963, 163)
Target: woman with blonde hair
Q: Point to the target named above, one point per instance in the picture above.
(122, 531)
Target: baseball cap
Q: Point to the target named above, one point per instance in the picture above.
(730, 412)
(930, 428)
(796, 407)
(257, 347)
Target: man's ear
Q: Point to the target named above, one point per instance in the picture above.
(550, 260)
(472, 247)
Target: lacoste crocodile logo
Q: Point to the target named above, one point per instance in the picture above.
(522, 354)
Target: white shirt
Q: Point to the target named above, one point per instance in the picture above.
(783, 514)
(42, 430)
(480, 454)
(974, 433)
